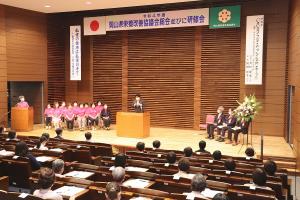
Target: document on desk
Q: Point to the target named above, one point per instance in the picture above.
(140, 198)
(44, 158)
(6, 153)
(136, 183)
(79, 174)
(131, 169)
(68, 191)
(56, 150)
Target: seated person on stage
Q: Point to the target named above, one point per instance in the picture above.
(249, 152)
(63, 110)
(270, 167)
(113, 191)
(58, 132)
(75, 110)
(241, 127)
(229, 123)
(81, 117)
(22, 103)
(99, 108)
(217, 155)
(183, 169)
(41, 144)
(88, 136)
(70, 117)
(105, 116)
(188, 152)
(259, 178)
(92, 115)
(22, 150)
(140, 146)
(118, 175)
(46, 181)
(220, 196)
(58, 166)
(120, 160)
(202, 145)
(171, 159)
(218, 121)
(199, 188)
(56, 118)
(156, 144)
(138, 104)
(48, 113)
(12, 136)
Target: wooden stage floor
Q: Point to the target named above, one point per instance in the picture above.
(177, 139)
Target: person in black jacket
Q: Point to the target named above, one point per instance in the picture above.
(242, 126)
(22, 151)
(105, 116)
(229, 123)
(218, 121)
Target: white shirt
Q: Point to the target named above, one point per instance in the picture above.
(47, 194)
(182, 174)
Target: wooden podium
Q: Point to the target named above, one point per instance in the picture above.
(22, 119)
(133, 125)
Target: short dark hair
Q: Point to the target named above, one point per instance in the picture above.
(229, 164)
(184, 164)
(171, 157)
(156, 144)
(202, 145)
(249, 152)
(21, 149)
(198, 183)
(46, 178)
(140, 146)
(88, 135)
(120, 160)
(46, 135)
(112, 190)
(259, 177)
(58, 131)
(188, 151)
(41, 140)
(270, 167)
(11, 134)
(217, 155)
(220, 196)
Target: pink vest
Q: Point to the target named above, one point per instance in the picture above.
(81, 112)
(57, 112)
(22, 104)
(69, 114)
(48, 112)
(92, 112)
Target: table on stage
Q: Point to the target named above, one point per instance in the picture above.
(22, 119)
(133, 125)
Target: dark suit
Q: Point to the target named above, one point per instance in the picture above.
(230, 121)
(105, 116)
(244, 126)
(219, 120)
(138, 106)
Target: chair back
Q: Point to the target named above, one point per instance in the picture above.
(210, 119)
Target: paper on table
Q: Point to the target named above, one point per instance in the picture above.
(221, 126)
(56, 150)
(140, 198)
(136, 183)
(79, 174)
(136, 169)
(6, 153)
(236, 128)
(68, 191)
(23, 195)
(210, 193)
(43, 158)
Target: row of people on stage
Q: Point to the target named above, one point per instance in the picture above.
(82, 115)
(230, 124)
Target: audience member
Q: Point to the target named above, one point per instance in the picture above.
(156, 144)
(183, 169)
(171, 158)
(88, 136)
(22, 151)
(41, 144)
(229, 164)
(120, 160)
(140, 146)
(259, 178)
(270, 167)
(46, 135)
(113, 191)
(12, 136)
(220, 196)
(202, 145)
(188, 152)
(58, 166)
(118, 175)
(249, 152)
(58, 132)
(217, 155)
(46, 181)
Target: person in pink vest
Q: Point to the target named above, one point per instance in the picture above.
(99, 108)
(56, 119)
(81, 117)
(48, 113)
(22, 103)
(69, 117)
(92, 114)
(63, 110)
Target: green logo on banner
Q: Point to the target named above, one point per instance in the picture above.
(225, 17)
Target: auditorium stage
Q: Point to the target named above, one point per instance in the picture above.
(176, 139)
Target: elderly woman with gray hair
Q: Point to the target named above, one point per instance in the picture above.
(218, 121)
(58, 167)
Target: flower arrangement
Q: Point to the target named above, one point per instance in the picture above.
(248, 109)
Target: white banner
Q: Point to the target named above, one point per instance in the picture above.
(94, 26)
(75, 53)
(167, 19)
(254, 50)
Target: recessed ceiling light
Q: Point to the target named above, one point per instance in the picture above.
(47, 6)
(88, 3)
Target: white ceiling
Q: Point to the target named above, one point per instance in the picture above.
(78, 5)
